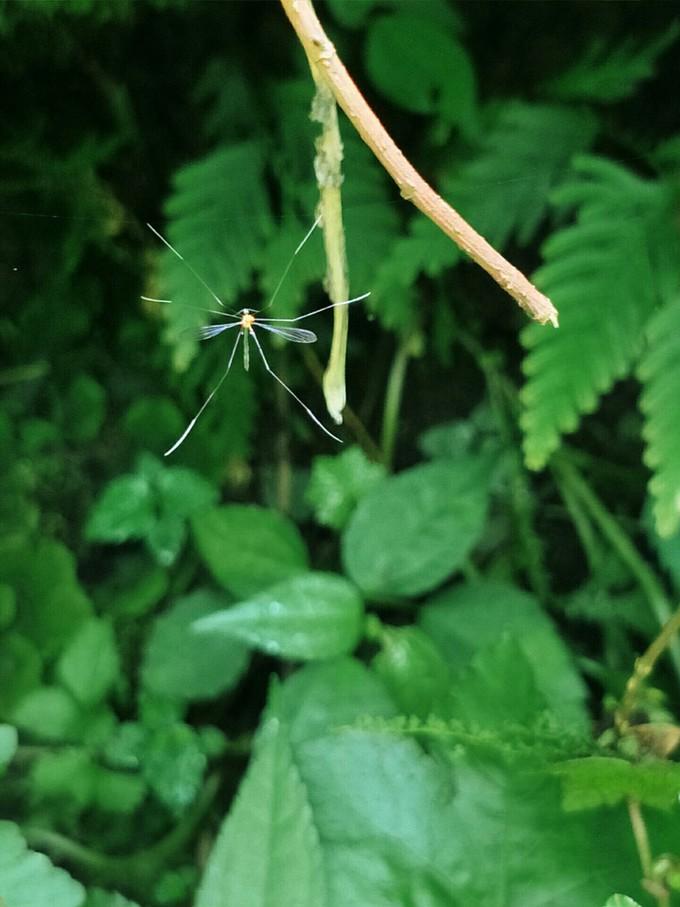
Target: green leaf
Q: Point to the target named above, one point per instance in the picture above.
(133, 586)
(503, 189)
(608, 74)
(267, 852)
(48, 713)
(413, 670)
(605, 274)
(20, 670)
(98, 897)
(84, 409)
(8, 745)
(393, 551)
(28, 879)
(621, 900)
(324, 696)
(314, 615)
(337, 483)
(352, 13)
(89, 665)
(220, 234)
(475, 617)
(124, 510)
(8, 605)
(179, 664)
(498, 687)
(173, 764)
(421, 67)
(51, 602)
(153, 422)
(605, 781)
(183, 492)
(248, 548)
(659, 370)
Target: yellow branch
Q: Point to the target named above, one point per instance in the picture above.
(323, 57)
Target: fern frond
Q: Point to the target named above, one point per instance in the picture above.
(503, 191)
(659, 371)
(426, 250)
(611, 73)
(218, 216)
(601, 273)
(544, 740)
(369, 213)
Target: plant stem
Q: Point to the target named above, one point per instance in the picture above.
(643, 668)
(328, 169)
(411, 345)
(323, 57)
(137, 870)
(567, 474)
(652, 885)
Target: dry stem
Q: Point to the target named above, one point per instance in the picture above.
(323, 57)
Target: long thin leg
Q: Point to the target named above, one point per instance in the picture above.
(219, 384)
(196, 308)
(193, 271)
(292, 393)
(290, 264)
(325, 308)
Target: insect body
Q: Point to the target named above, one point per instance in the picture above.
(246, 321)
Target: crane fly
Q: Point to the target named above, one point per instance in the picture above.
(245, 322)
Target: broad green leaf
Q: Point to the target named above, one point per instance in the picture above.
(352, 13)
(98, 897)
(51, 602)
(314, 615)
(183, 492)
(470, 618)
(503, 190)
(8, 745)
(659, 371)
(180, 664)
(337, 483)
(89, 665)
(413, 530)
(166, 537)
(605, 781)
(153, 422)
(64, 779)
(28, 879)
(124, 510)
(267, 853)
(48, 713)
(605, 274)
(605, 73)
(498, 687)
(248, 548)
(20, 670)
(420, 66)
(621, 900)
(173, 764)
(324, 696)
(84, 409)
(133, 586)
(220, 234)
(413, 670)
(8, 605)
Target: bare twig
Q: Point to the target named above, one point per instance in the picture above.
(323, 57)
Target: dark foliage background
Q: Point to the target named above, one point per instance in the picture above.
(268, 670)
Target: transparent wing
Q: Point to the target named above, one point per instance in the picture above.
(212, 330)
(295, 335)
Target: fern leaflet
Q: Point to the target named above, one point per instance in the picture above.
(609, 74)
(601, 273)
(503, 190)
(218, 217)
(659, 371)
